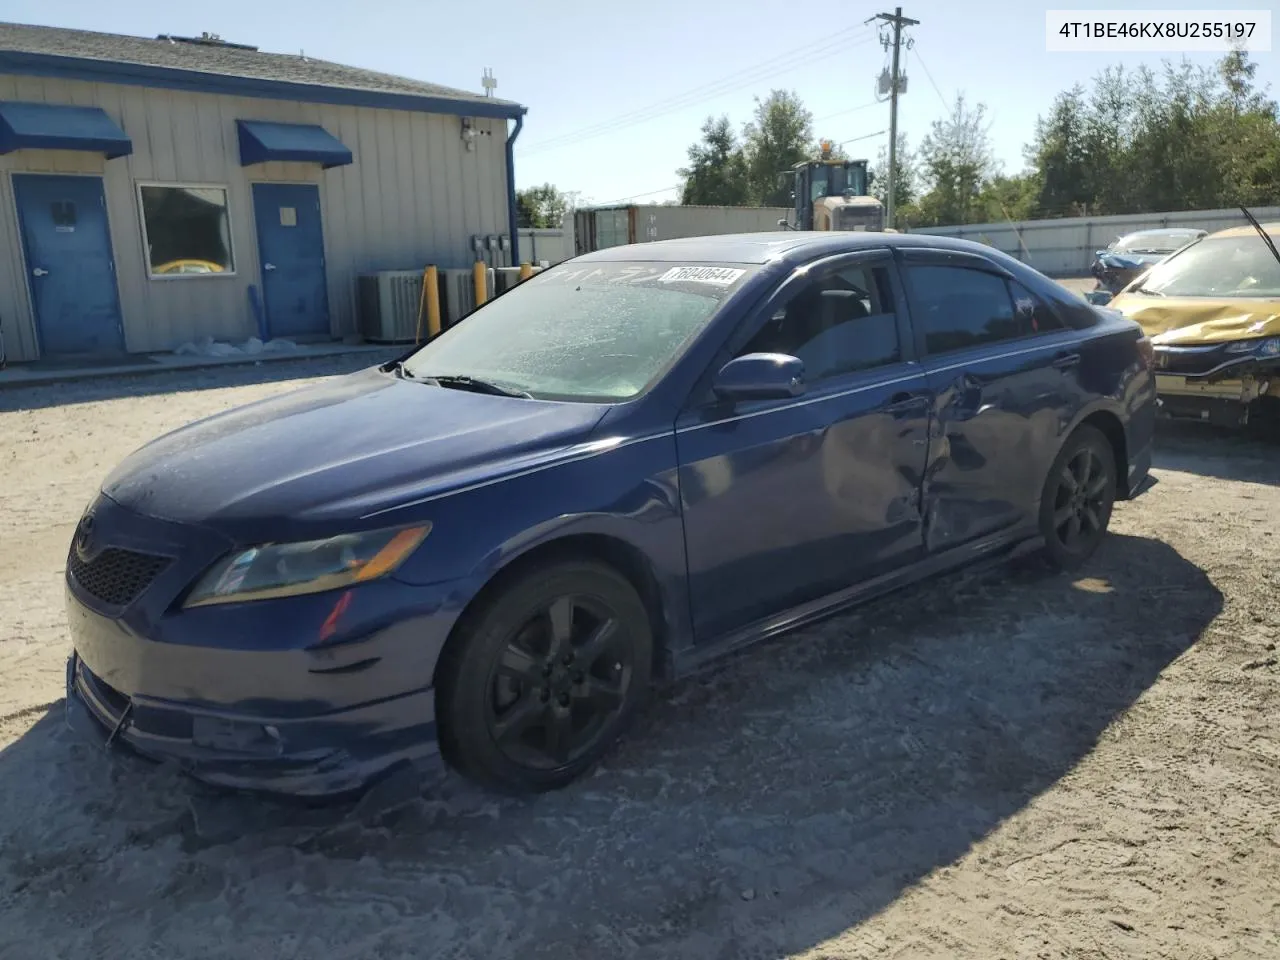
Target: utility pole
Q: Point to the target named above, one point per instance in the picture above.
(898, 21)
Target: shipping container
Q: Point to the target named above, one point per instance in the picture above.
(599, 228)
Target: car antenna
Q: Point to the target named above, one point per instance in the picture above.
(1262, 233)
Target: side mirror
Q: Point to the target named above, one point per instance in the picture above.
(760, 376)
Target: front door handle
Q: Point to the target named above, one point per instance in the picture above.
(39, 272)
(268, 266)
(1066, 361)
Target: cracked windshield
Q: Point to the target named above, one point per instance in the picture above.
(590, 332)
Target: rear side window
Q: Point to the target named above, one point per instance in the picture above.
(959, 307)
(1034, 315)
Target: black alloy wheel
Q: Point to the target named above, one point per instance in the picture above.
(540, 681)
(561, 678)
(1078, 496)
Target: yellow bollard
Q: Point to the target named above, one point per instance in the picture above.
(526, 270)
(479, 274)
(431, 287)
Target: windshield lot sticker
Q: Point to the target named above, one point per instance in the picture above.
(720, 276)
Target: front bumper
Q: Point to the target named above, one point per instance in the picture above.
(1224, 402)
(310, 695)
(323, 756)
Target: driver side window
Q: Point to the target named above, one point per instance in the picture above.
(837, 323)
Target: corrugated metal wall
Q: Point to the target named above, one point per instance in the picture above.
(1064, 248)
(671, 222)
(413, 196)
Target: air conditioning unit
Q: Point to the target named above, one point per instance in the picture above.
(458, 293)
(388, 303)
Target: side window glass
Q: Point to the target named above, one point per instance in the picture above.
(1034, 315)
(961, 307)
(837, 323)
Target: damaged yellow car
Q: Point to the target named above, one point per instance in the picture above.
(1212, 311)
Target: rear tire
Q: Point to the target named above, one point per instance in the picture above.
(539, 682)
(1077, 499)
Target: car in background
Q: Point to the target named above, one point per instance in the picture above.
(1127, 257)
(621, 469)
(1212, 311)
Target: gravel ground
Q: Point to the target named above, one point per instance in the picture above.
(1000, 764)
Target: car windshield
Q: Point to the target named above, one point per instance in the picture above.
(1160, 241)
(597, 332)
(1233, 266)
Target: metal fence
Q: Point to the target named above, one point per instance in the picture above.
(1065, 248)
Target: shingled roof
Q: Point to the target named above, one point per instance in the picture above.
(221, 60)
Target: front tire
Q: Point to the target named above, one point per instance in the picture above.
(539, 683)
(1078, 496)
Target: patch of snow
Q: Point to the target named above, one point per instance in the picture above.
(208, 347)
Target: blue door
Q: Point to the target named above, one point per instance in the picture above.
(786, 501)
(1003, 369)
(70, 269)
(291, 250)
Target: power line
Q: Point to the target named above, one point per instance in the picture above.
(637, 196)
(679, 100)
(770, 68)
(946, 103)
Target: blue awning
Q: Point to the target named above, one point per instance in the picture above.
(54, 126)
(261, 141)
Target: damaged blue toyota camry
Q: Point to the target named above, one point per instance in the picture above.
(489, 550)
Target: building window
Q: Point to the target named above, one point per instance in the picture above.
(187, 231)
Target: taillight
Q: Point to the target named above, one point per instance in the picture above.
(1147, 351)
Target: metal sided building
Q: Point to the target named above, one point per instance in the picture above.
(154, 192)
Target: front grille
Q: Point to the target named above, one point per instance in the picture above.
(116, 577)
(1189, 362)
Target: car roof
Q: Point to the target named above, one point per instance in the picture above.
(1150, 230)
(779, 245)
(1273, 230)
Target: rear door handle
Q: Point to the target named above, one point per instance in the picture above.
(904, 400)
(1066, 361)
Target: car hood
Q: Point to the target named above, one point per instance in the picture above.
(1196, 320)
(339, 450)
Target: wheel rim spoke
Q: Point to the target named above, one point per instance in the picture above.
(559, 735)
(604, 695)
(598, 642)
(1073, 528)
(1068, 479)
(519, 665)
(519, 717)
(560, 626)
(1096, 487)
(1091, 519)
(1085, 472)
(1061, 516)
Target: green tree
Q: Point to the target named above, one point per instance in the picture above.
(779, 136)
(542, 207)
(717, 171)
(955, 161)
(906, 176)
(1058, 155)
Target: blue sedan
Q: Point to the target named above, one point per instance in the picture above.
(489, 550)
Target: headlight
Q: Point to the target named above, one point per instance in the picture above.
(1263, 348)
(288, 569)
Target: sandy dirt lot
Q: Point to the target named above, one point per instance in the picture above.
(997, 765)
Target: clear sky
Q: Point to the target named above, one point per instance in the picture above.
(642, 76)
